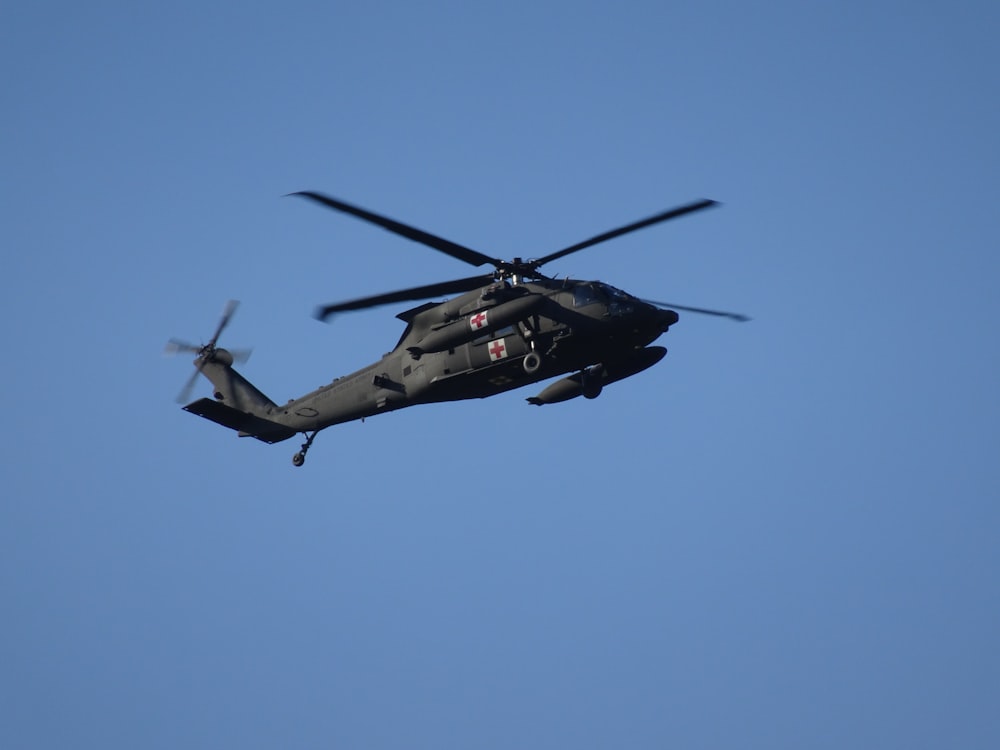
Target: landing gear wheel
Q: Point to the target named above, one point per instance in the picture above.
(300, 458)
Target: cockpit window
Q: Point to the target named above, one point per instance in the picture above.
(589, 293)
(618, 303)
(615, 294)
(585, 294)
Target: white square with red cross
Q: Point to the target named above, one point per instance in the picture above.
(497, 349)
(479, 320)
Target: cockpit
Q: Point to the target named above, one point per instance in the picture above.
(596, 292)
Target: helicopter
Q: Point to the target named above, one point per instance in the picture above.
(506, 329)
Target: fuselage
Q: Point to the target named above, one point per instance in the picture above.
(486, 342)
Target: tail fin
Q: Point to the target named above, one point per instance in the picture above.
(232, 388)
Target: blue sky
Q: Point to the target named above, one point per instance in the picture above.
(784, 535)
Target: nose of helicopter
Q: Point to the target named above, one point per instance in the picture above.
(666, 318)
(654, 322)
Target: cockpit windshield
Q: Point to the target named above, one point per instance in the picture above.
(614, 294)
(592, 292)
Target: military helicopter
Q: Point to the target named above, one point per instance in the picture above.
(507, 328)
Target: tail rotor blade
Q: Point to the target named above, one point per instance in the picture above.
(206, 352)
(176, 346)
(185, 395)
(227, 315)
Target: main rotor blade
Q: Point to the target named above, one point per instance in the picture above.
(468, 255)
(665, 216)
(701, 310)
(414, 293)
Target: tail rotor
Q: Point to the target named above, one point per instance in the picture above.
(209, 352)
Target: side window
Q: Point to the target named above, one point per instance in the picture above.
(584, 294)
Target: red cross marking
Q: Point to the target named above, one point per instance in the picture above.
(478, 320)
(497, 349)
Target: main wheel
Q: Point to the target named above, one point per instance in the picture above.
(299, 458)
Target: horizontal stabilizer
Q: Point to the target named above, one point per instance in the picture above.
(246, 424)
